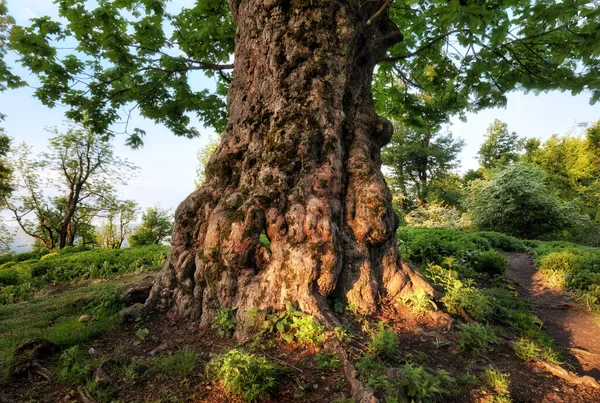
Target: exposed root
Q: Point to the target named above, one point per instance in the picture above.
(567, 376)
(85, 396)
(360, 393)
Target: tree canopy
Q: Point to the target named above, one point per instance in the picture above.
(500, 147)
(107, 58)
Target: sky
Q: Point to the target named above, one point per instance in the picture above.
(168, 163)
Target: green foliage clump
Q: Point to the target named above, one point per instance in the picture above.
(413, 381)
(476, 338)
(183, 362)
(499, 383)
(329, 361)
(224, 321)
(307, 331)
(420, 302)
(516, 201)
(527, 350)
(433, 245)
(75, 365)
(489, 261)
(421, 385)
(245, 375)
(574, 267)
(384, 342)
(9, 277)
(460, 296)
(290, 324)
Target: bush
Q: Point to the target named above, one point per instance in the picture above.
(434, 215)
(516, 201)
(245, 375)
(9, 277)
(489, 261)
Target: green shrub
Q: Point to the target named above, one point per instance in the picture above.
(9, 277)
(290, 324)
(307, 331)
(245, 375)
(78, 264)
(421, 385)
(384, 342)
(476, 337)
(499, 382)
(420, 302)
(490, 261)
(516, 201)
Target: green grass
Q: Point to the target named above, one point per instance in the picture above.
(55, 318)
(23, 280)
(572, 267)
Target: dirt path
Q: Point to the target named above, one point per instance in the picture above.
(575, 331)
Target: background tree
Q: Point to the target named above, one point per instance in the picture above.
(515, 200)
(420, 162)
(156, 227)
(203, 157)
(299, 159)
(81, 166)
(500, 147)
(116, 224)
(573, 164)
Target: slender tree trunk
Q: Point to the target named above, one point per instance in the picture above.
(300, 162)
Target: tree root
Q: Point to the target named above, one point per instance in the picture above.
(567, 376)
(360, 392)
(85, 396)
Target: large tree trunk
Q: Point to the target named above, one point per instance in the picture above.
(300, 162)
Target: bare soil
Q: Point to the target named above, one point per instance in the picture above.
(575, 331)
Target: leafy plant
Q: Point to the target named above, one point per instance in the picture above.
(420, 302)
(329, 361)
(384, 342)
(245, 375)
(419, 384)
(342, 334)
(307, 331)
(224, 321)
(75, 365)
(476, 337)
(526, 350)
(142, 333)
(499, 383)
(290, 324)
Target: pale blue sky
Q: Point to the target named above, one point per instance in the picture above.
(168, 163)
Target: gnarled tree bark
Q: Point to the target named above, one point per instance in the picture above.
(300, 163)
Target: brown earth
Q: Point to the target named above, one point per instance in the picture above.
(575, 331)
